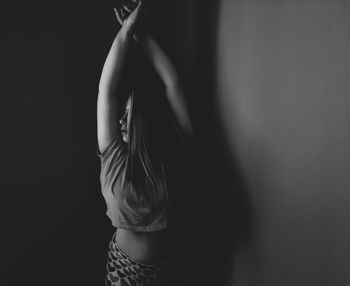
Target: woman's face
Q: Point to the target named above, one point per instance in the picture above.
(125, 121)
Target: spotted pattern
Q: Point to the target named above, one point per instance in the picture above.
(122, 270)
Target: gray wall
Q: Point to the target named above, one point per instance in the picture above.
(283, 83)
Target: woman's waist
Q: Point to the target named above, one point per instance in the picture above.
(147, 247)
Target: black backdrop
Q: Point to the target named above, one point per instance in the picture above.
(53, 225)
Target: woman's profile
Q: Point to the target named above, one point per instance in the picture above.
(142, 126)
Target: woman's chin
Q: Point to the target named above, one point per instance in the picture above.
(125, 138)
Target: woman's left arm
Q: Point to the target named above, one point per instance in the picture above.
(167, 73)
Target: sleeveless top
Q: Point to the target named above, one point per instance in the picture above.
(123, 212)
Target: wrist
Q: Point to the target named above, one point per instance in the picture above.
(125, 33)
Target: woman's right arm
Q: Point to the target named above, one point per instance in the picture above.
(109, 108)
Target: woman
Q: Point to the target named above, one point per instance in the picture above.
(141, 176)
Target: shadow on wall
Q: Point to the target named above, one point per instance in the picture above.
(221, 208)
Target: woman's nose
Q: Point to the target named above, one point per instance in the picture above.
(122, 120)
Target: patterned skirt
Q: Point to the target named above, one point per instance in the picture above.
(123, 270)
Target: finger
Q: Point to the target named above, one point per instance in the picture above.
(135, 14)
(126, 13)
(133, 5)
(119, 18)
(127, 8)
(139, 6)
(122, 13)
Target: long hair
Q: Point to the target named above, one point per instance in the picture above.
(153, 142)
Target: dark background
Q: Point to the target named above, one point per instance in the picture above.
(267, 83)
(54, 229)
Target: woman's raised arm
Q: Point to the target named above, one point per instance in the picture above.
(167, 73)
(109, 109)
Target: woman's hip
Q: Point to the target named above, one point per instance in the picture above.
(123, 270)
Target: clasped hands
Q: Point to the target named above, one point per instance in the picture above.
(129, 16)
